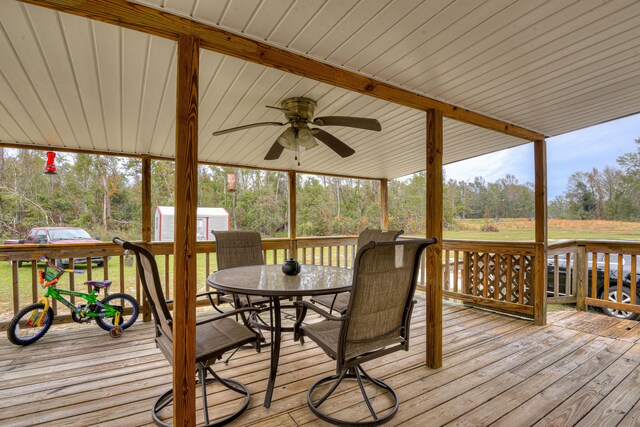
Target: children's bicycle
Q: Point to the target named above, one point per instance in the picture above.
(114, 313)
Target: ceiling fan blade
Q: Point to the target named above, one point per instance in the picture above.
(253, 125)
(274, 152)
(352, 122)
(332, 142)
(290, 112)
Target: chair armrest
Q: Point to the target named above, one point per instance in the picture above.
(200, 294)
(318, 310)
(226, 314)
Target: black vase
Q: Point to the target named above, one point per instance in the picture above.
(291, 267)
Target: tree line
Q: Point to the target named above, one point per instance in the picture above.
(103, 195)
(602, 194)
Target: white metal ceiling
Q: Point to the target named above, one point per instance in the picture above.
(551, 66)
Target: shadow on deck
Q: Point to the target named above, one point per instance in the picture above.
(581, 369)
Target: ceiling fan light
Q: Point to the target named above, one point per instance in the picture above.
(306, 139)
(287, 139)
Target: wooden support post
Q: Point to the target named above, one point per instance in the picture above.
(434, 229)
(146, 220)
(292, 213)
(540, 266)
(580, 266)
(384, 203)
(186, 201)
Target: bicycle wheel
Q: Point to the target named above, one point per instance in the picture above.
(126, 305)
(23, 328)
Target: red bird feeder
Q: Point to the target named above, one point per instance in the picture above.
(50, 168)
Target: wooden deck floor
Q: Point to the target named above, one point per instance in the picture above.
(582, 369)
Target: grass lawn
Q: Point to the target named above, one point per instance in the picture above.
(518, 229)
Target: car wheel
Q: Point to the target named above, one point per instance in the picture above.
(626, 298)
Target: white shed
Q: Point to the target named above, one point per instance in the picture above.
(209, 219)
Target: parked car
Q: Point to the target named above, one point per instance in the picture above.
(614, 275)
(60, 235)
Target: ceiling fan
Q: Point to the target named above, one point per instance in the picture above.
(299, 115)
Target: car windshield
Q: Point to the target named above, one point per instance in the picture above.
(68, 234)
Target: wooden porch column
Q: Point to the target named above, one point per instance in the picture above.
(540, 266)
(146, 220)
(434, 229)
(291, 213)
(186, 200)
(384, 203)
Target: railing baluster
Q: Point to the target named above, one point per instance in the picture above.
(633, 279)
(620, 277)
(521, 281)
(346, 263)
(329, 255)
(485, 275)
(496, 277)
(446, 270)
(89, 275)
(16, 286)
(594, 275)
(568, 286)
(304, 255)
(455, 272)
(122, 287)
(105, 265)
(34, 280)
(138, 286)
(72, 280)
(166, 276)
(321, 255)
(509, 279)
(607, 268)
(337, 256)
(556, 277)
(207, 263)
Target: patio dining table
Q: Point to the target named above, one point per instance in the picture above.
(269, 281)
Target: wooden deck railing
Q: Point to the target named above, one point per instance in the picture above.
(595, 273)
(496, 275)
(21, 286)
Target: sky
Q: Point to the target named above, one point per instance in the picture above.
(579, 151)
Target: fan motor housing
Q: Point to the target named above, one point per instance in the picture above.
(305, 108)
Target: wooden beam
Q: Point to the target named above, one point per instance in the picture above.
(291, 212)
(167, 159)
(582, 277)
(434, 229)
(146, 219)
(146, 199)
(540, 265)
(186, 202)
(161, 23)
(384, 203)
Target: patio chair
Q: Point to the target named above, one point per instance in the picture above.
(239, 249)
(339, 302)
(214, 337)
(375, 324)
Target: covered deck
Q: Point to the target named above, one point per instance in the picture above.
(449, 80)
(582, 369)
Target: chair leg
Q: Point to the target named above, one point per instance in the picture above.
(359, 375)
(167, 398)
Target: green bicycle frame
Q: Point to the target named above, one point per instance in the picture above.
(91, 298)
